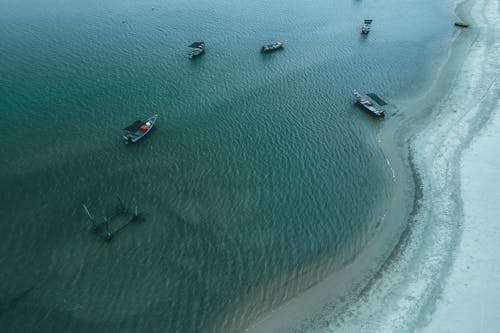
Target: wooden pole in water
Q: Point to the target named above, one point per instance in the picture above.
(92, 220)
(122, 205)
(109, 234)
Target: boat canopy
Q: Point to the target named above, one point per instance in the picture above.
(198, 45)
(134, 127)
(377, 99)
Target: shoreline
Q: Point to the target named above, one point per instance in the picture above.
(469, 297)
(418, 267)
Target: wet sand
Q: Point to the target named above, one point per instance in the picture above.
(469, 301)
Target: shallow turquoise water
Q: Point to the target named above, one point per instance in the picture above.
(260, 178)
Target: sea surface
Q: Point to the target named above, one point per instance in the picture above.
(260, 179)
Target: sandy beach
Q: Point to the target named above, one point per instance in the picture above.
(469, 299)
(445, 272)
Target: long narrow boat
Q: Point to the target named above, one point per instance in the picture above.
(198, 48)
(138, 129)
(272, 47)
(368, 104)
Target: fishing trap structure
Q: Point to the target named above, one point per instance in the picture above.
(109, 226)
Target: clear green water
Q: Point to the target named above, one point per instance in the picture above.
(260, 178)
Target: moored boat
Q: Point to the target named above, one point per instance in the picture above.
(366, 26)
(138, 129)
(272, 47)
(198, 49)
(368, 104)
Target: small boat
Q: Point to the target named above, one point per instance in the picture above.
(368, 104)
(138, 129)
(196, 52)
(365, 29)
(198, 49)
(272, 47)
(462, 24)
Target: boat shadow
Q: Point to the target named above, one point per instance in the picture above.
(363, 37)
(268, 56)
(196, 61)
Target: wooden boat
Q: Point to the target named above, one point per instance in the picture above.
(368, 104)
(272, 47)
(198, 49)
(138, 129)
(462, 24)
(365, 29)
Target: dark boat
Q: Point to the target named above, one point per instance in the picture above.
(272, 47)
(198, 49)
(462, 24)
(368, 104)
(138, 129)
(365, 29)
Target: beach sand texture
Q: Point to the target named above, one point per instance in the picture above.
(446, 272)
(469, 301)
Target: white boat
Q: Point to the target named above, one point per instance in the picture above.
(138, 129)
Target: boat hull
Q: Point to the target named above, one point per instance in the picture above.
(196, 53)
(133, 135)
(272, 47)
